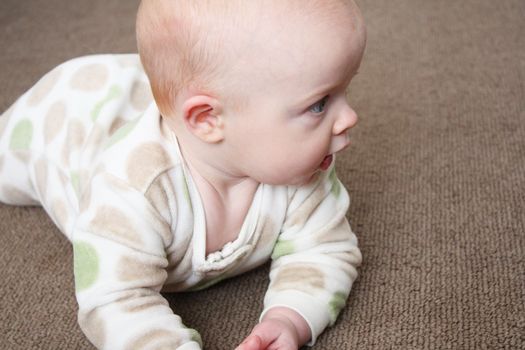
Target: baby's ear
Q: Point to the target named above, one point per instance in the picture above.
(202, 117)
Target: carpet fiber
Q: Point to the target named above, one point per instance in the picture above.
(436, 173)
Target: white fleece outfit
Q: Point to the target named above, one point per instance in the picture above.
(87, 142)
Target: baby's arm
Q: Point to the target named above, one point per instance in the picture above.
(120, 267)
(315, 259)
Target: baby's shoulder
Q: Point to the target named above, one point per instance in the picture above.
(89, 75)
(325, 185)
(139, 152)
(90, 84)
(94, 74)
(99, 67)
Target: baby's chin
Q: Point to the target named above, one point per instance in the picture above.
(303, 180)
(289, 179)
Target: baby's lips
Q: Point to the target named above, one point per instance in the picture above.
(327, 161)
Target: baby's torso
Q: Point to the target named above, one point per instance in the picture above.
(99, 151)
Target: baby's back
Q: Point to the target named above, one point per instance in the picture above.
(57, 129)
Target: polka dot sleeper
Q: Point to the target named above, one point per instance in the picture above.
(88, 144)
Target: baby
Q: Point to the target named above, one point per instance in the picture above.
(196, 160)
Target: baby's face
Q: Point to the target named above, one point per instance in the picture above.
(296, 114)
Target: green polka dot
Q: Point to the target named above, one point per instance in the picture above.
(86, 265)
(282, 248)
(113, 92)
(195, 336)
(207, 284)
(336, 184)
(75, 181)
(22, 135)
(122, 132)
(186, 190)
(336, 304)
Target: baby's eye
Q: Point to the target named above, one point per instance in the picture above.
(318, 107)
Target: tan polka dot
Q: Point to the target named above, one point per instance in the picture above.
(180, 262)
(60, 213)
(301, 277)
(15, 196)
(101, 168)
(128, 61)
(95, 138)
(145, 163)
(54, 121)
(305, 210)
(141, 96)
(157, 195)
(41, 170)
(267, 234)
(113, 223)
(348, 262)
(132, 294)
(163, 339)
(147, 272)
(142, 304)
(116, 183)
(4, 118)
(43, 87)
(116, 124)
(90, 78)
(93, 327)
(76, 134)
(336, 232)
(23, 156)
(64, 179)
(74, 140)
(85, 199)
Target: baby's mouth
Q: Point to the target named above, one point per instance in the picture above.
(327, 161)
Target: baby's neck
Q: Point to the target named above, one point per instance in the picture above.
(226, 199)
(219, 185)
(213, 179)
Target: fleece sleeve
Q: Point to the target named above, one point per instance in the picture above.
(315, 259)
(120, 265)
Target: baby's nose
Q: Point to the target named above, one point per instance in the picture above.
(346, 120)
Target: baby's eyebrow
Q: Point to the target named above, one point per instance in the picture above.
(324, 90)
(317, 95)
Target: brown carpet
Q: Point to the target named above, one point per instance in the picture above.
(436, 174)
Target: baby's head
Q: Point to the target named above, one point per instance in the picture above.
(258, 86)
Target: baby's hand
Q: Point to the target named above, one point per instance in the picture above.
(281, 329)
(271, 334)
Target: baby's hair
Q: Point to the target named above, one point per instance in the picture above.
(185, 43)
(169, 49)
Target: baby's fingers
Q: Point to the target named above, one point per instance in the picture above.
(253, 342)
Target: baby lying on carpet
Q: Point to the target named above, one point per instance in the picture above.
(198, 159)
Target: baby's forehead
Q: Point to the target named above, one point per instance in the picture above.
(252, 15)
(303, 38)
(218, 41)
